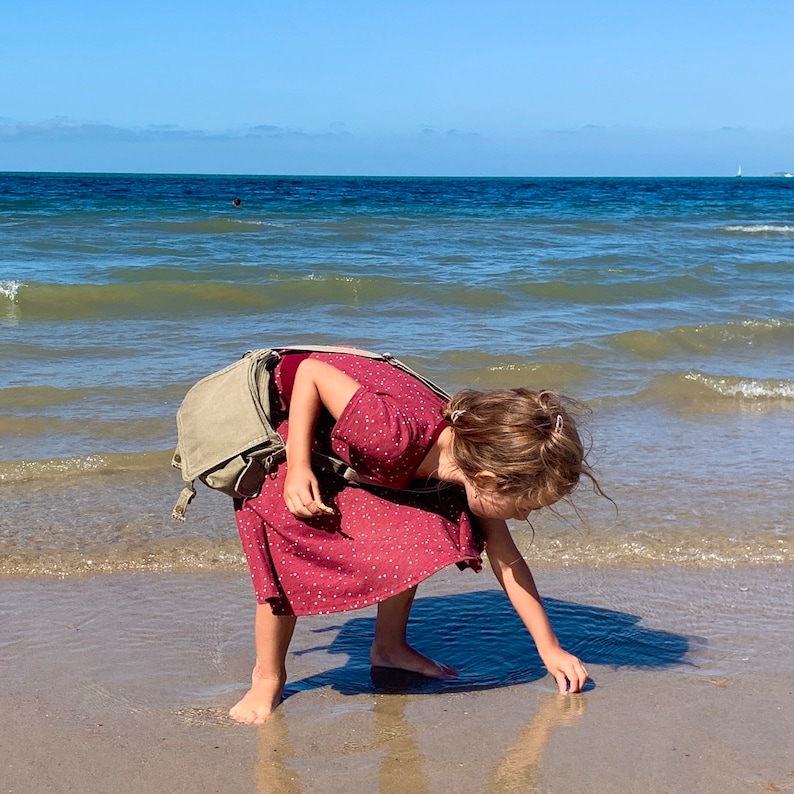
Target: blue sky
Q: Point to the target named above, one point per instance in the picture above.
(504, 87)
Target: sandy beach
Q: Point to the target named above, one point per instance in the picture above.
(123, 683)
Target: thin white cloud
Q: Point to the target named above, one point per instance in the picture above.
(70, 129)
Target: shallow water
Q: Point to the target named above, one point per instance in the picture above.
(708, 624)
(666, 305)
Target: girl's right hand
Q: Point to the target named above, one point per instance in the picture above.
(302, 494)
(569, 672)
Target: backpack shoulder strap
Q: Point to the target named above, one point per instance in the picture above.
(357, 351)
(435, 388)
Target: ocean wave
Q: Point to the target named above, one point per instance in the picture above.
(195, 553)
(566, 377)
(215, 226)
(760, 228)
(699, 392)
(22, 398)
(172, 555)
(745, 389)
(704, 338)
(59, 302)
(16, 472)
(190, 298)
(645, 549)
(173, 292)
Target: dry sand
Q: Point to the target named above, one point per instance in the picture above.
(122, 683)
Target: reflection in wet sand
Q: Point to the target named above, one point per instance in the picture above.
(272, 774)
(402, 763)
(520, 769)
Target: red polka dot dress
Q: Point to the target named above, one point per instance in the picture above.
(379, 541)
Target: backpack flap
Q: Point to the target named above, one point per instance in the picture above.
(221, 422)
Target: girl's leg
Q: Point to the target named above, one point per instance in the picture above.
(272, 635)
(390, 646)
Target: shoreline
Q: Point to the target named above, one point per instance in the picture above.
(129, 678)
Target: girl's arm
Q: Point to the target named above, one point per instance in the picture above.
(317, 385)
(514, 575)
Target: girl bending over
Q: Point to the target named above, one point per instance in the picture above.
(317, 545)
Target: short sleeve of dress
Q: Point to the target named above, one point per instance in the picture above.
(385, 438)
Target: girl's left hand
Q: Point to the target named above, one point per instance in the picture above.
(568, 671)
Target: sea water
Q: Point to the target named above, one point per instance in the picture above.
(665, 305)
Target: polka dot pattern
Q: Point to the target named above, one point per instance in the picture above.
(378, 542)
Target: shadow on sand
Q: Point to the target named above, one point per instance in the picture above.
(482, 637)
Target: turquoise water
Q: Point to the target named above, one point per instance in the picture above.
(666, 305)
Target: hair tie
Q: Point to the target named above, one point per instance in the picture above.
(455, 415)
(558, 424)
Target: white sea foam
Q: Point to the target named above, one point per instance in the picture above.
(20, 471)
(763, 228)
(272, 224)
(745, 389)
(9, 289)
(322, 277)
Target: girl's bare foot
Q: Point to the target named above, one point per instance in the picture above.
(260, 701)
(404, 657)
(390, 647)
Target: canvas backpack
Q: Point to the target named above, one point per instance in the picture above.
(225, 433)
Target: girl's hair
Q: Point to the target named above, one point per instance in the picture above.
(528, 439)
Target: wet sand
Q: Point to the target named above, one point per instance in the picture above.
(123, 683)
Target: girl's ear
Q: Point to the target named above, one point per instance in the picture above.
(484, 479)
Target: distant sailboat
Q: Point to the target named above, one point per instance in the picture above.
(739, 172)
